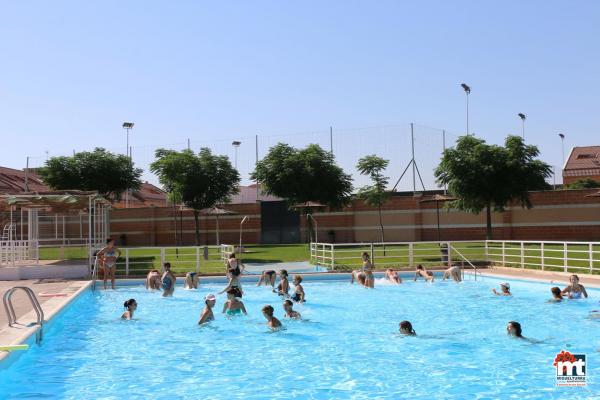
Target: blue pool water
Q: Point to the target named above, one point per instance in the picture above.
(346, 348)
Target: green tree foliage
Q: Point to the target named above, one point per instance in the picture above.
(99, 170)
(375, 194)
(197, 180)
(489, 177)
(586, 183)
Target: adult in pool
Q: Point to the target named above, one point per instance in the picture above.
(192, 279)
(153, 280)
(168, 280)
(299, 295)
(407, 329)
(234, 282)
(268, 278)
(504, 290)
(453, 272)
(574, 290)
(514, 329)
(368, 270)
(556, 294)
(392, 276)
(289, 311)
(284, 285)
(207, 314)
(234, 267)
(272, 322)
(359, 276)
(107, 257)
(233, 305)
(422, 272)
(131, 306)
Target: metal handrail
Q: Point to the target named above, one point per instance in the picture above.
(12, 316)
(94, 273)
(450, 248)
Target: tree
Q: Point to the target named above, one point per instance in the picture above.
(299, 176)
(99, 170)
(375, 194)
(586, 183)
(197, 180)
(489, 177)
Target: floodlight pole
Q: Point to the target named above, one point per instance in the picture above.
(236, 146)
(467, 90)
(523, 118)
(128, 126)
(27, 175)
(241, 231)
(414, 165)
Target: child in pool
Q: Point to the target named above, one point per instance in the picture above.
(574, 290)
(233, 305)
(131, 306)
(514, 329)
(284, 285)
(299, 295)
(272, 322)
(192, 279)
(367, 269)
(556, 294)
(153, 280)
(453, 272)
(359, 276)
(505, 290)
(407, 329)
(420, 271)
(392, 276)
(268, 278)
(168, 281)
(289, 312)
(207, 314)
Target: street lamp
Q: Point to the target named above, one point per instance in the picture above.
(467, 90)
(523, 118)
(236, 145)
(562, 140)
(128, 126)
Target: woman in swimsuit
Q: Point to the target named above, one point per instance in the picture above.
(268, 278)
(505, 290)
(556, 294)
(207, 314)
(233, 305)
(108, 257)
(453, 272)
(131, 306)
(233, 265)
(359, 276)
(153, 280)
(407, 329)
(420, 271)
(298, 296)
(514, 329)
(192, 279)
(284, 285)
(168, 281)
(234, 284)
(392, 276)
(289, 312)
(272, 322)
(368, 270)
(574, 290)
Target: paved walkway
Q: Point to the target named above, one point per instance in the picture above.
(546, 276)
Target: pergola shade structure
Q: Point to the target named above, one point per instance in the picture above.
(34, 220)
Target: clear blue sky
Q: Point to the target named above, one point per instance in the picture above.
(73, 71)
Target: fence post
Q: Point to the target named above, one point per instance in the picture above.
(372, 254)
(162, 259)
(565, 255)
(591, 251)
(522, 255)
(127, 263)
(197, 259)
(503, 253)
(411, 259)
(332, 256)
(542, 255)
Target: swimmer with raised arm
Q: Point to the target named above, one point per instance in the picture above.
(392, 276)
(233, 265)
(234, 282)
(284, 284)
(207, 314)
(153, 280)
(407, 329)
(422, 272)
(168, 281)
(289, 311)
(267, 278)
(574, 290)
(272, 322)
(131, 306)
(453, 272)
(367, 269)
(504, 290)
(233, 305)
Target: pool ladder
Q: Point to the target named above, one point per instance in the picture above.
(94, 273)
(10, 311)
(462, 268)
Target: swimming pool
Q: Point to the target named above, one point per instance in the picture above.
(346, 348)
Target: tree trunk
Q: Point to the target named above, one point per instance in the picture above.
(382, 230)
(488, 218)
(197, 226)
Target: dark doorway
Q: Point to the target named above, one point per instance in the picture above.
(279, 224)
